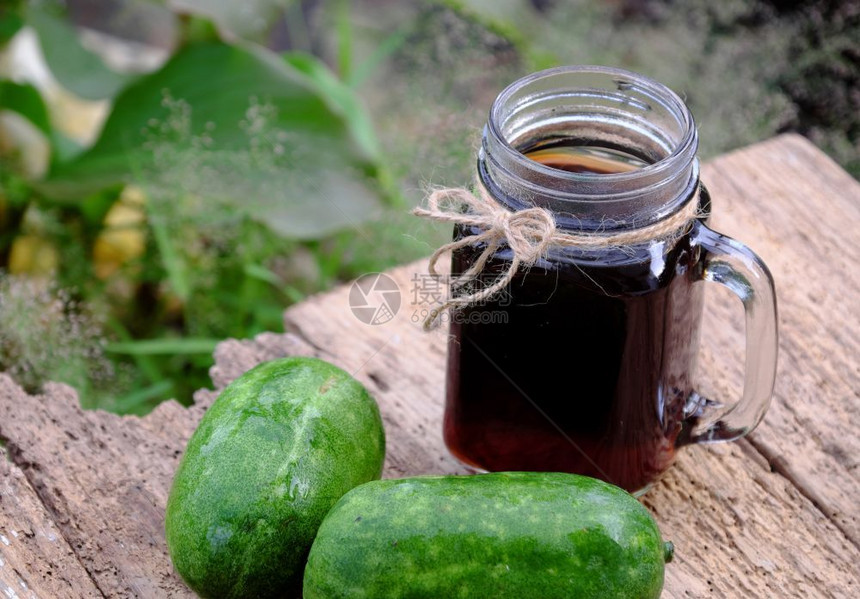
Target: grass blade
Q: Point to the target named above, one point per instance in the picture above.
(136, 399)
(151, 347)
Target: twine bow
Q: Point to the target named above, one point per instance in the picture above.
(529, 233)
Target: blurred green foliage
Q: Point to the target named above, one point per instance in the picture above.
(180, 223)
(239, 171)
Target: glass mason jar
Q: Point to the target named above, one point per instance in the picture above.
(586, 364)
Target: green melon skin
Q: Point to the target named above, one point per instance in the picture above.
(273, 454)
(500, 535)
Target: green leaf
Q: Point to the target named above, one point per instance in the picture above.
(178, 346)
(384, 50)
(135, 400)
(345, 102)
(296, 295)
(340, 98)
(513, 20)
(177, 272)
(10, 22)
(248, 19)
(147, 365)
(319, 206)
(343, 26)
(65, 148)
(261, 273)
(238, 130)
(26, 101)
(218, 83)
(76, 68)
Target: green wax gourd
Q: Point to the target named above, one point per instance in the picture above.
(515, 534)
(273, 454)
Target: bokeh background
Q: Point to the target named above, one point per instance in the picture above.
(180, 171)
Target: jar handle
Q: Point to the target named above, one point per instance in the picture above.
(735, 266)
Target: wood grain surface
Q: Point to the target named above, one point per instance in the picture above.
(82, 494)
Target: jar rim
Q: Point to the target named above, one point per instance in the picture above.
(600, 106)
(623, 77)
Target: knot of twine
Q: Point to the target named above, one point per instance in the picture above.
(529, 233)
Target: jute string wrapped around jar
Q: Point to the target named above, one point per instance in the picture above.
(529, 233)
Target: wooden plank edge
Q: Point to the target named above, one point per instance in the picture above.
(30, 537)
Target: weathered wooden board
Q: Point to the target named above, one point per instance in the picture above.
(801, 213)
(35, 558)
(772, 517)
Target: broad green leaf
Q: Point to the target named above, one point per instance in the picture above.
(317, 206)
(232, 130)
(217, 86)
(76, 68)
(26, 101)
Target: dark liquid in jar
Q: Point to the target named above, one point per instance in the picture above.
(572, 156)
(583, 368)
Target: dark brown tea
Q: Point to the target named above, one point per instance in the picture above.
(568, 155)
(588, 370)
(581, 377)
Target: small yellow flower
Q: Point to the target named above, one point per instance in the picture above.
(123, 238)
(33, 255)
